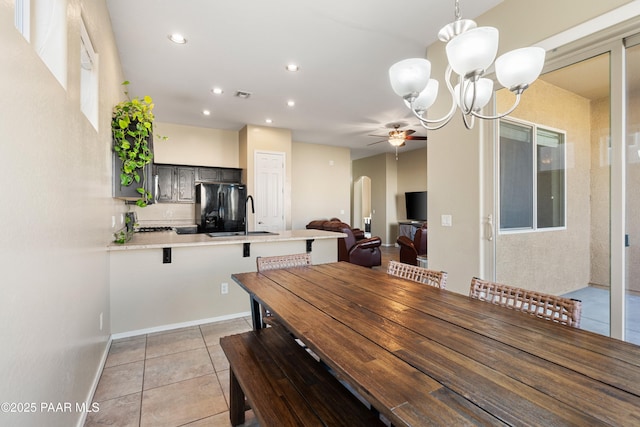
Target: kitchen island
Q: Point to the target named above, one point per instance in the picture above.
(162, 280)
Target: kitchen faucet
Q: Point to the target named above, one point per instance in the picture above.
(253, 211)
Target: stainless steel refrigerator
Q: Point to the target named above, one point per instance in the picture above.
(221, 208)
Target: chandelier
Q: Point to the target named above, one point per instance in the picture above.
(471, 50)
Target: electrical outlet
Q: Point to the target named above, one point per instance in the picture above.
(224, 288)
(100, 321)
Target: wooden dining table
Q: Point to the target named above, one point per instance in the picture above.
(426, 356)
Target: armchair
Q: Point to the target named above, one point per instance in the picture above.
(364, 252)
(411, 249)
(354, 248)
(334, 224)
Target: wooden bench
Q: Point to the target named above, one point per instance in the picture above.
(285, 386)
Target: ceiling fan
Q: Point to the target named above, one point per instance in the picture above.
(398, 137)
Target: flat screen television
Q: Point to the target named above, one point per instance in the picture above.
(416, 204)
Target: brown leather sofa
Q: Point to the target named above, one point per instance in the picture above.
(411, 249)
(354, 248)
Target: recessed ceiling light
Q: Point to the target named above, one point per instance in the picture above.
(206, 112)
(268, 121)
(291, 103)
(177, 38)
(292, 67)
(217, 91)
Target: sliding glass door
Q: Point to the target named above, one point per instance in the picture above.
(632, 191)
(564, 175)
(553, 194)
(560, 178)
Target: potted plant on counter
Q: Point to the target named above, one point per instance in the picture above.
(132, 129)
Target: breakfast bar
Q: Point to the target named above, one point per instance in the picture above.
(164, 280)
(426, 356)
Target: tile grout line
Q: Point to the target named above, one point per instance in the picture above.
(214, 369)
(144, 365)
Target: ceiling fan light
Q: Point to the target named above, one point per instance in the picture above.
(520, 67)
(484, 88)
(427, 97)
(396, 140)
(410, 76)
(473, 50)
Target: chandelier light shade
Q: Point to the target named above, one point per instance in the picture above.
(410, 76)
(471, 51)
(476, 96)
(427, 97)
(520, 66)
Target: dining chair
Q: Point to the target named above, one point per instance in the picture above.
(566, 311)
(282, 261)
(434, 278)
(265, 263)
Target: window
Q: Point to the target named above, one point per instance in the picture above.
(532, 177)
(88, 77)
(22, 17)
(50, 35)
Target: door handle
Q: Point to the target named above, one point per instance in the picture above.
(489, 227)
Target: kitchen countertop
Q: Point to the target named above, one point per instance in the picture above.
(164, 239)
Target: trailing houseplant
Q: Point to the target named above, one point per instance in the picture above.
(132, 127)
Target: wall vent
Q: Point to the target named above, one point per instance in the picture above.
(242, 94)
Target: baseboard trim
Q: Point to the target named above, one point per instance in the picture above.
(94, 385)
(169, 327)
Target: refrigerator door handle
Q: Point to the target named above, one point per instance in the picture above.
(156, 188)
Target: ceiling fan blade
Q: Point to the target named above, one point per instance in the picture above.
(377, 142)
(417, 138)
(409, 132)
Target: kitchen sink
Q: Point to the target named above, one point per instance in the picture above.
(241, 233)
(189, 229)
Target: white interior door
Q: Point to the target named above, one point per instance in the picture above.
(269, 191)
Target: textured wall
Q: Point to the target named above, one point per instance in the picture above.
(320, 183)
(56, 219)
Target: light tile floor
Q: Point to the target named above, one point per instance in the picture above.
(595, 312)
(173, 378)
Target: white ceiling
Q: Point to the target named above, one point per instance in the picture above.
(588, 78)
(343, 47)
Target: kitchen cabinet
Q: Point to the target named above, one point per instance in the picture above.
(186, 185)
(213, 174)
(176, 184)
